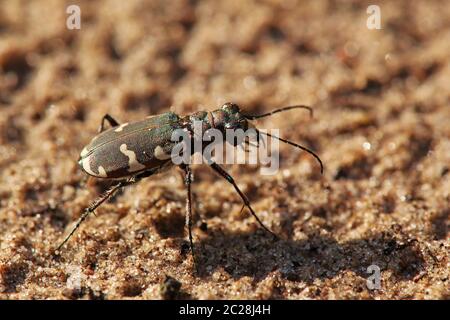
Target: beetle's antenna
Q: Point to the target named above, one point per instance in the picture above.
(253, 117)
(295, 145)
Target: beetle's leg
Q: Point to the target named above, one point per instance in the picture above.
(259, 138)
(94, 206)
(243, 148)
(244, 198)
(188, 182)
(113, 122)
(248, 143)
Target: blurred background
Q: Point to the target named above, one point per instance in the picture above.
(377, 78)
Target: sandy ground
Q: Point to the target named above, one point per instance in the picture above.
(381, 126)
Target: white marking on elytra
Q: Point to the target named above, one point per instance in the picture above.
(102, 171)
(132, 161)
(160, 154)
(87, 167)
(120, 128)
(84, 152)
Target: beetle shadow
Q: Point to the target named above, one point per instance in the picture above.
(316, 257)
(439, 225)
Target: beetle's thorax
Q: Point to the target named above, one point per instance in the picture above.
(227, 117)
(201, 118)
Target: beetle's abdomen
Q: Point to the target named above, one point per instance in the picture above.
(130, 148)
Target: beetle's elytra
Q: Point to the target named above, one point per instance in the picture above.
(130, 148)
(129, 152)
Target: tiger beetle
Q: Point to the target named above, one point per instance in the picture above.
(129, 152)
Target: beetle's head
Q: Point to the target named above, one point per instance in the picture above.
(230, 117)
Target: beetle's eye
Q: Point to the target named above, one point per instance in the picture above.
(231, 107)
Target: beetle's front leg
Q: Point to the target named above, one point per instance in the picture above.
(188, 182)
(244, 198)
(113, 122)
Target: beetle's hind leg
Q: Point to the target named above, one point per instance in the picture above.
(113, 122)
(188, 182)
(94, 205)
(244, 198)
